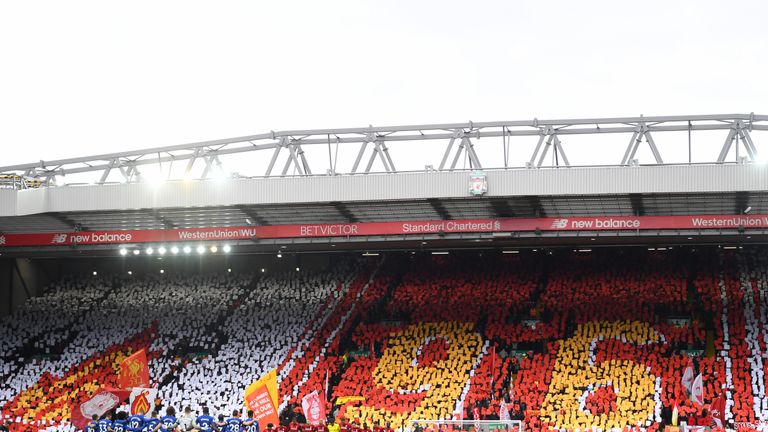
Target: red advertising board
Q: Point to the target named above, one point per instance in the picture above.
(221, 234)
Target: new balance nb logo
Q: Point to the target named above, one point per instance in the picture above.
(560, 223)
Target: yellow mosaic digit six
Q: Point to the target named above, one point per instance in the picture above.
(576, 375)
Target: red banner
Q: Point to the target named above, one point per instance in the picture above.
(222, 234)
(261, 397)
(103, 401)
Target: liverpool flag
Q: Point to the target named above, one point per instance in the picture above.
(313, 406)
(718, 412)
(697, 391)
(134, 371)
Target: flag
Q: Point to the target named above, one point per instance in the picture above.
(718, 412)
(325, 392)
(503, 411)
(261, 397)
(142, 400)
(102, 401)
(697, 391)
(134, 371)
(313, 406)
(675, 415)
(688, 376)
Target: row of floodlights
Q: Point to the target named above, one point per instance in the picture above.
(162, 271)
(175, 250)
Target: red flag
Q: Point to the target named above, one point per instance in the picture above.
(103, 401)
(134, 371)
(718, 412)
(313, 406)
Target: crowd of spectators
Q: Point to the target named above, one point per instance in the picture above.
(564, 341)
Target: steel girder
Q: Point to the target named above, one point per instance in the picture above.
(460, 152)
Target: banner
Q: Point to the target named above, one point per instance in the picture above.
(142, 400)
(751, 427)
(134, 371)
(344, 399)
(261, 397)
(697, 391)
(687, 380)
(717, 410)
(102, 401)
(313, 406)
(598, 223)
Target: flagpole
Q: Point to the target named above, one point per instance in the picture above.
(493, 368)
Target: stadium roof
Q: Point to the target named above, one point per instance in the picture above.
(34, 201)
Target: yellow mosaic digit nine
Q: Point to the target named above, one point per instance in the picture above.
(439, 384)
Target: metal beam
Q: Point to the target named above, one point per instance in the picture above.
(466, 148)
(553, 142)
(115, 162)
(468, 135)
(642, 131)
(738, 133)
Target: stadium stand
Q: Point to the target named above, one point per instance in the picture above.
(567, 341)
